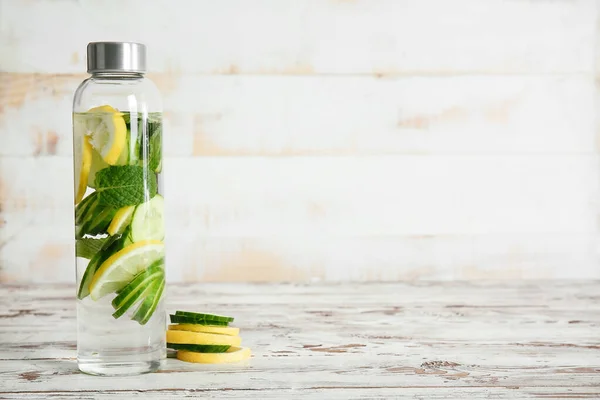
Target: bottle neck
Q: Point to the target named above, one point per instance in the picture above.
(117, 75)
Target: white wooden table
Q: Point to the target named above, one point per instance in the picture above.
(336, 341)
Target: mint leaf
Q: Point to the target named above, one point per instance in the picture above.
(88, 247)
(125, 185)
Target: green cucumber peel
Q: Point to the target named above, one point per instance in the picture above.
(148, 222)
(207, 317)
(199, 348)
(148, 307)
(180, 319)
(143, 289)
(139, 282)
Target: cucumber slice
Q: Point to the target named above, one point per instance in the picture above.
(148, 220)
(155, 150)
(180, 319)
(143, 292)
(146, 309)
(129, 296)
(97, 223)
(135, 289)
(205, 317)
(133, 145)
(83, 206)
(199, 348)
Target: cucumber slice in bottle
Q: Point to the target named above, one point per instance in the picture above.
(199, 348)
(181, 319)
(205, 317)
(83, 206)
(137, 289)
(144, 290)
(141, 280)
(146, 309)
(148, 220)
(97, 223)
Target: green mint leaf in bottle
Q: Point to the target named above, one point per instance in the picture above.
(125, 185)
(88, 247)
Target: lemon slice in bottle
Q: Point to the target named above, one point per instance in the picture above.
(121, 220)
(82, 166)
(106, 131)
(120, 268)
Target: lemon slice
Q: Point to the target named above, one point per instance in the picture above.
(107, 132)
(121, 219)
(234, 354)
(120, 268)
(186, 337)
(82, 168)
(222, 330)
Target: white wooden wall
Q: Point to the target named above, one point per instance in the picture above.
(325, 140)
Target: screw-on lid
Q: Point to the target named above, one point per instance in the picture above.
(116, 57)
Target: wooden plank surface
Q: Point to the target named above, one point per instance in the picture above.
(234, 116)
(405, 341)
(325, 37)
(333, 218)
(325, 140)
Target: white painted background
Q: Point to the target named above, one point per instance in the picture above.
(324, 140)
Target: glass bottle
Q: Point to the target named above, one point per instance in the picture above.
(119, 224)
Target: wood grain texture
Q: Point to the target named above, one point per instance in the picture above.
(287, 37)
(405, 341)
(302, 219)
(325, 140)
(208, 116)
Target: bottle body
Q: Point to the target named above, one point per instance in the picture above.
(119, 224)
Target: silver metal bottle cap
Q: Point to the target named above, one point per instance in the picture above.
(116, 57)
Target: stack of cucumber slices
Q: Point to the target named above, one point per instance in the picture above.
(205, 338)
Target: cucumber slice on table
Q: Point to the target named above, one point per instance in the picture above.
(148, 220)
(205, 317)
(199, 348)
(181, 319)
